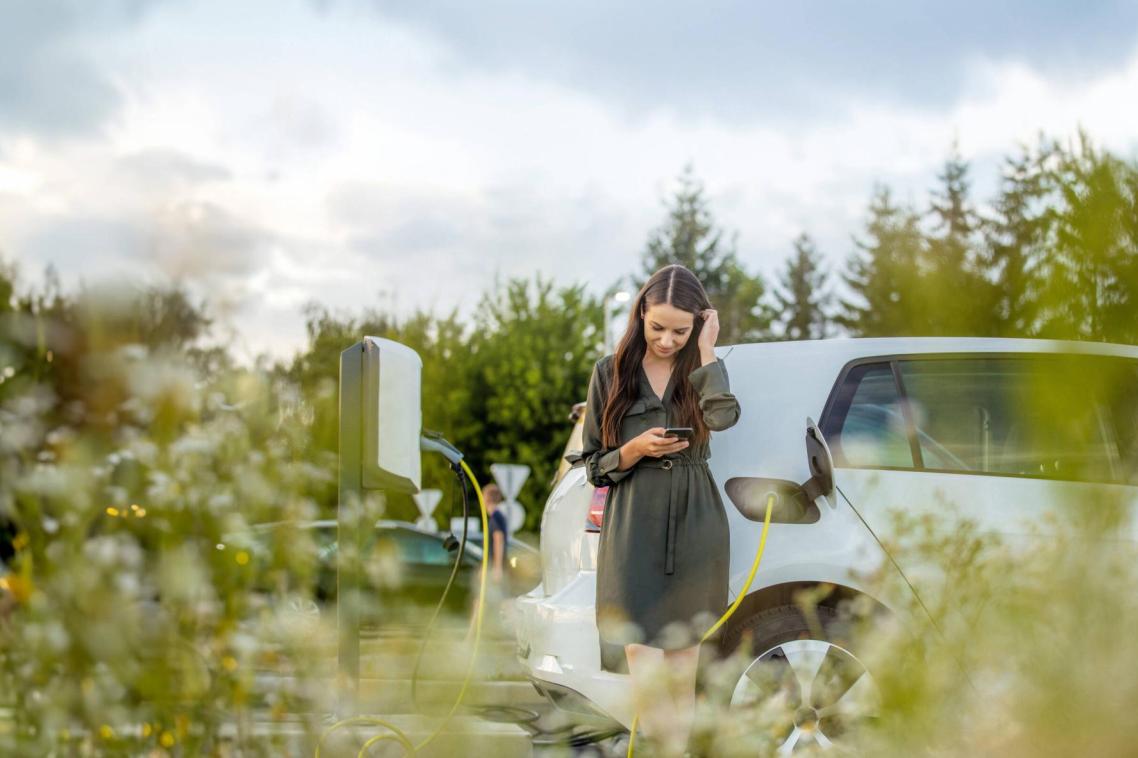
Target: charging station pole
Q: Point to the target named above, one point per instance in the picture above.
(379, 392)
(348, 531)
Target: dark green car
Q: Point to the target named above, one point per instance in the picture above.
(405, 569)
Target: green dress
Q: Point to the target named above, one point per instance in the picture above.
(664, 547)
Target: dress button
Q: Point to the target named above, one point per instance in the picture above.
(667, 464)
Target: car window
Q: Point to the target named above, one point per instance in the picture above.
(1062, 417)
(866, 427)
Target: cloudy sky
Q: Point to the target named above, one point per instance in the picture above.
(402, 154)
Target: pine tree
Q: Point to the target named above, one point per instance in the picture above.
(1091, 271)
(1016, 238)
(8, 275)
(883, 274)
(958, 296)
(802, 298)
(691, 238)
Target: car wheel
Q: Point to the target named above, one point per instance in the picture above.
(826, 688)
(298, 605)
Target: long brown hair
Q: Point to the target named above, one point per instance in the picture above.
(678, 287)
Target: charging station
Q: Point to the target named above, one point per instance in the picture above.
(381, 423)
(381, 442)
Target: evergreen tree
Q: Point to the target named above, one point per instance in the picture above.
(7, 286)
(802, 299)
(1016, 239)
(1091, 289)
(958, 297)
(691, 238)
(883, 274)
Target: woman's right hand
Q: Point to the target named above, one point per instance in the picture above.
(653, 443)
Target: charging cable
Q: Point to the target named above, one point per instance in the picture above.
(446, 589)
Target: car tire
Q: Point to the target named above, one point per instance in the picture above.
(807, 659)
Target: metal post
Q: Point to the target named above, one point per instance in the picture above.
(369, 468)
(615, 298)
(349, 512)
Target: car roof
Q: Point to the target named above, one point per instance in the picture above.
(847, 349)
(780, 384)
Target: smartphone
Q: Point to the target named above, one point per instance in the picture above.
(683, 432)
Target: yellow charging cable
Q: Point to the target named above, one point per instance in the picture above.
(727, 614)
(397, 735)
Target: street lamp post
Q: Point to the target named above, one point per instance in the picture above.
(617, 297)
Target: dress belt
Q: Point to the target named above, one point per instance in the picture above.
(667, 464)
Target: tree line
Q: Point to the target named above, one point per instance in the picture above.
(1053, 254)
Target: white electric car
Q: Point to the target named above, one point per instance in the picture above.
(908, 423)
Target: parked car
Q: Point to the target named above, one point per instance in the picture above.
(405, 567)
(572, 452)
(910, 423)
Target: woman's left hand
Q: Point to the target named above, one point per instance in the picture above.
(710, 331)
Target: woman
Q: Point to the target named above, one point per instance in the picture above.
(664, 545)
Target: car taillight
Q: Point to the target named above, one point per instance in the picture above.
(597, 508)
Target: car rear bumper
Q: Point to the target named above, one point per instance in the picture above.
(559, 647)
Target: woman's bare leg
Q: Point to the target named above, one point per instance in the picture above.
(683, 666)
(654, 707)
(663, 690)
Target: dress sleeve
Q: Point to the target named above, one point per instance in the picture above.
(719, 406)
(601, 463)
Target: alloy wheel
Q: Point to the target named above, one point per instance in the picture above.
(828, 690)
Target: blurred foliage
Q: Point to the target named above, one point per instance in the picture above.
(1031, 653)
(126, 458)
(1019, 648)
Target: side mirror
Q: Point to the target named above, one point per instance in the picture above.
(821, 463)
